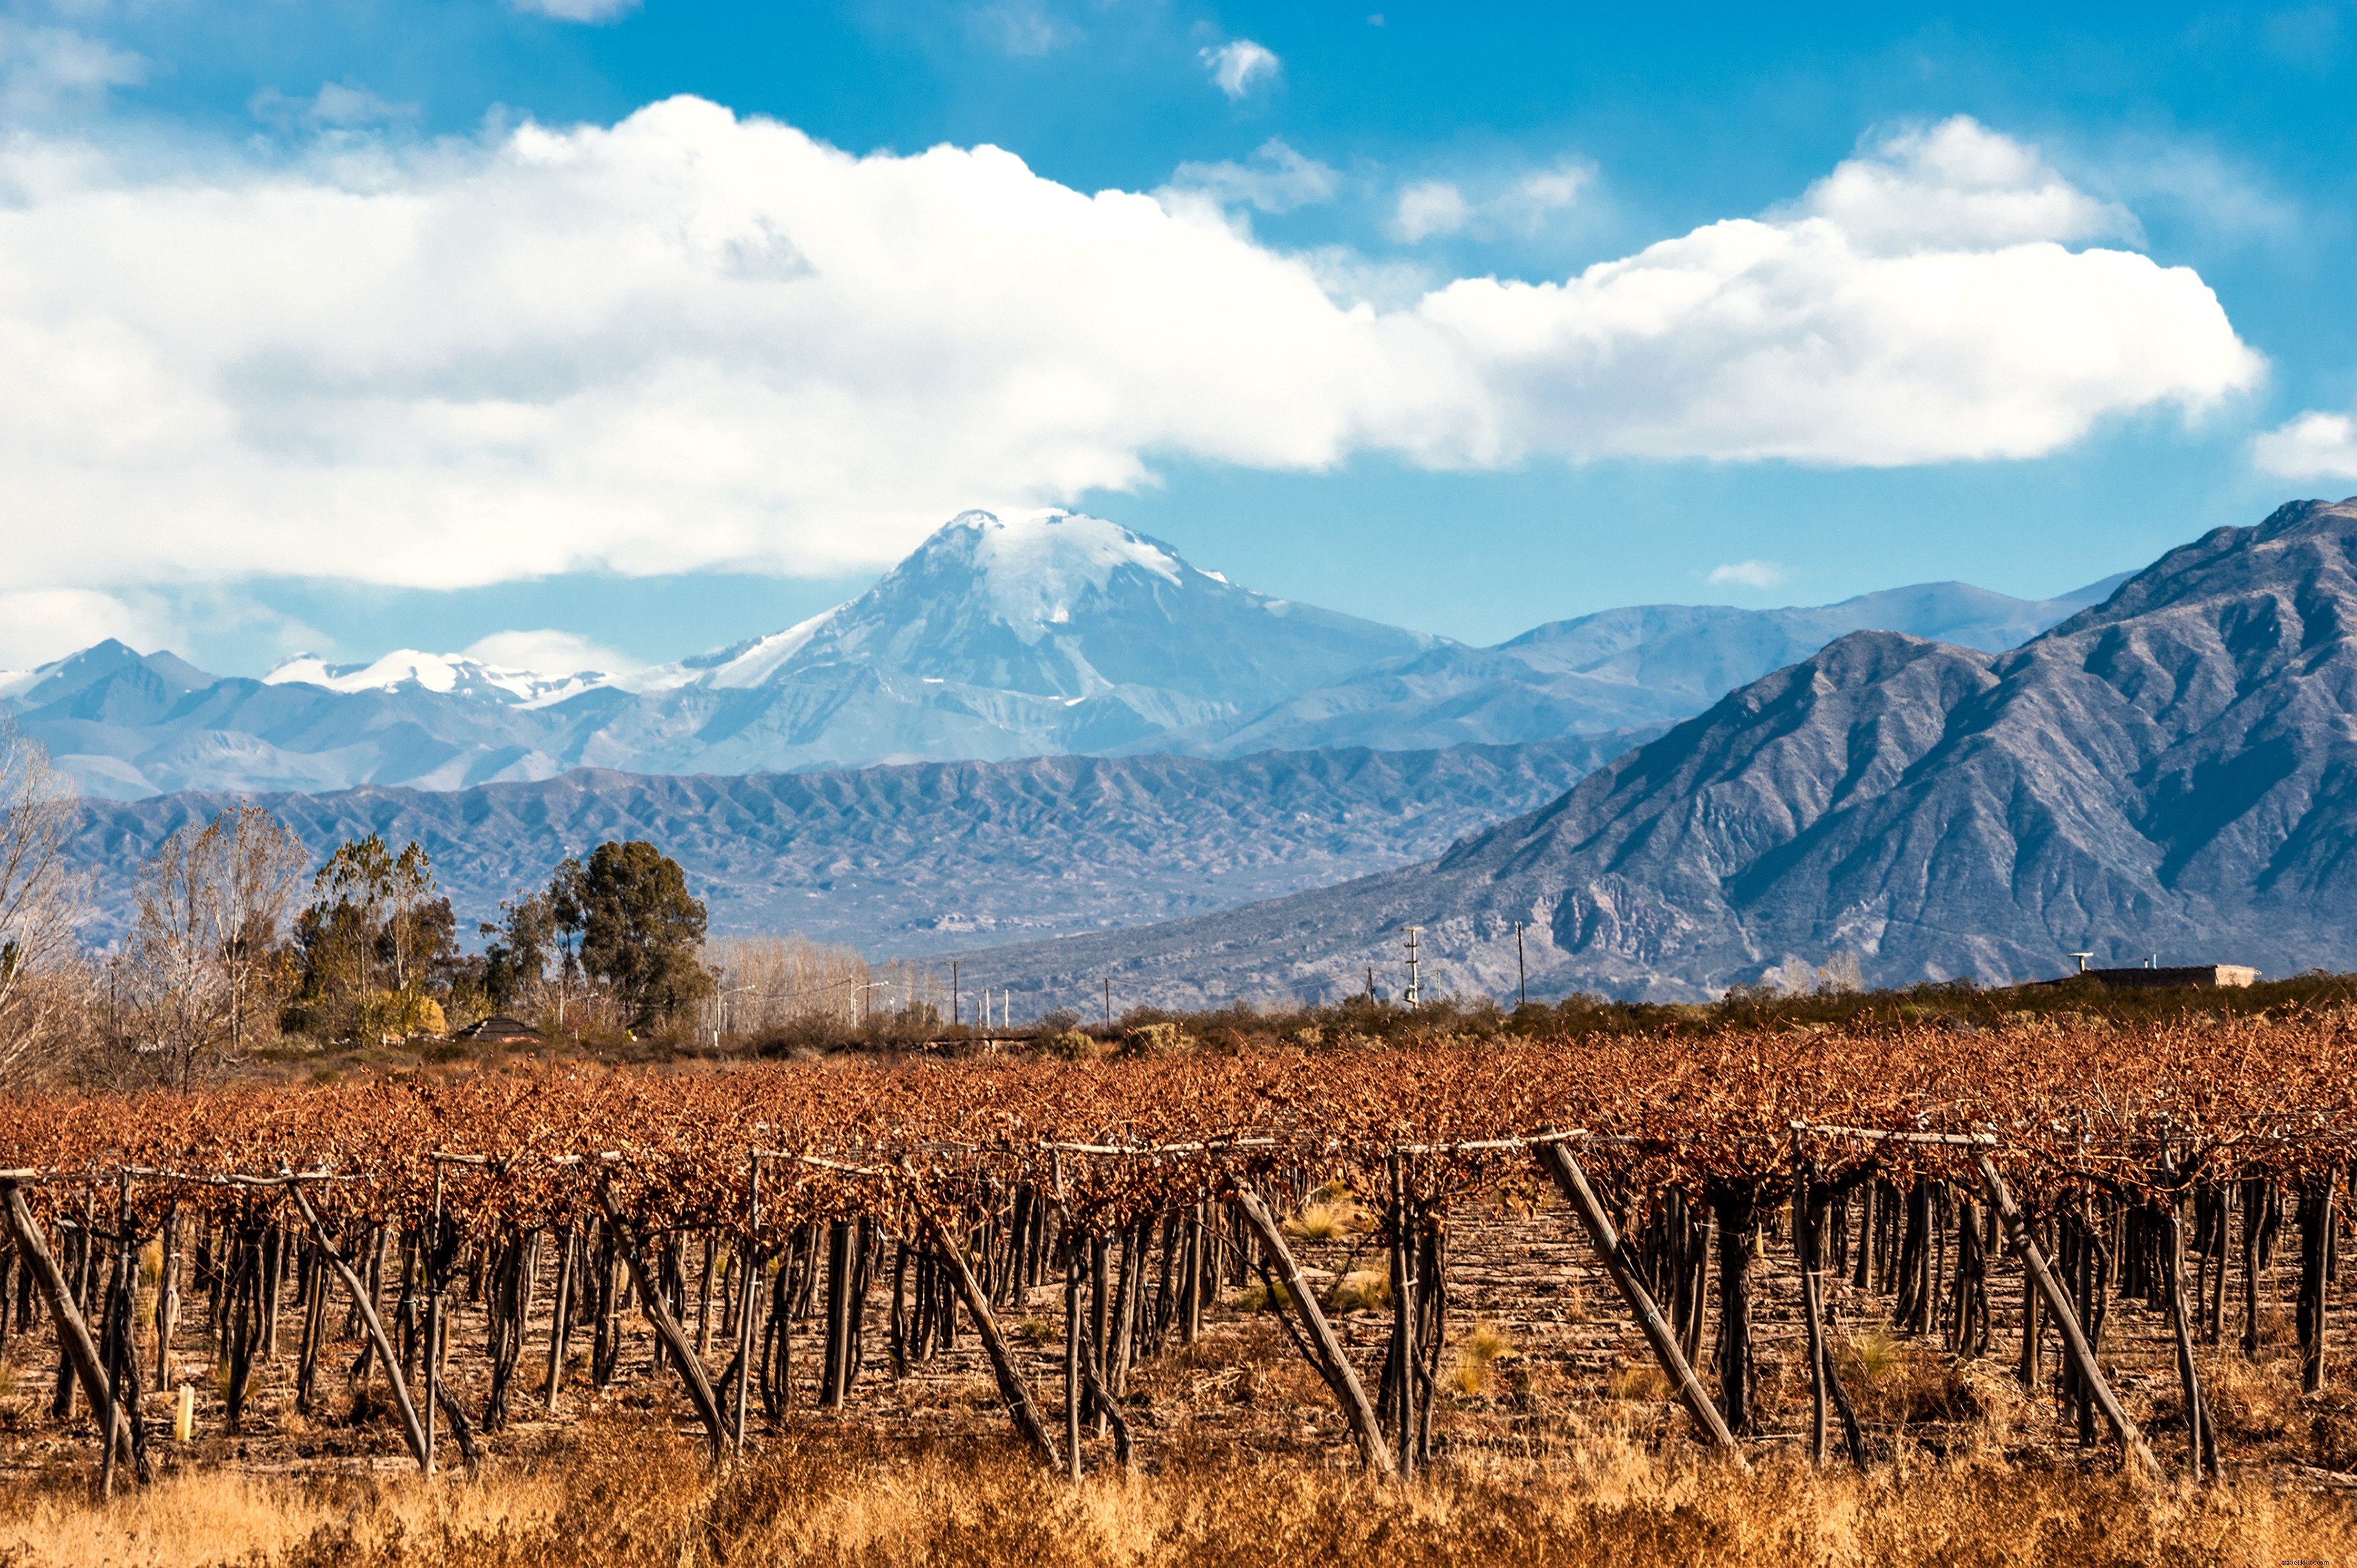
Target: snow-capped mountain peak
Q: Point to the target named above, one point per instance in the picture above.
(1032, 567)
(447, 675)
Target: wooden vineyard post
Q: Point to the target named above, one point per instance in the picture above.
(1556, 1161)
(2315, 1271)
(1069, 1240)
(1072, 1337)
(746, 1274)
(667, 1329)
(1404, 1322)
(79, 1348)
(2200, 1435)
(560, 1315)
(1823, 1377)
(425, 1250)
(411, 1427)
(2074, 1342)
(1012, 1390)
(1334, 1363)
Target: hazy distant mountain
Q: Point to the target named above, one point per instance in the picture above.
(2172, 771)
(1647, 665)
(1047, 634)
(930, 857)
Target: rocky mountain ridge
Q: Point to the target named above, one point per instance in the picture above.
(2172, 771)
(1000, 637)
(926, 857)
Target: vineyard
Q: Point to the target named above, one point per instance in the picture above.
(1441, 1238)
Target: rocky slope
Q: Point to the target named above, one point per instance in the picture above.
(2174, 770)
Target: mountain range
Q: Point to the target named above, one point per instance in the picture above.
(926, 857)
(1048, 634)
(2170, 772)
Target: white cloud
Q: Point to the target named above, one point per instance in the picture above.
(38, 625)
(689, 341)
(1518, 206)
(1958, 184)
(1748, 574)
(336, 106)
(1429, 207)
(45, 69)
(1236, 65)
(1274, 179)
(591, 10)
(550, 653)
(2313, 447)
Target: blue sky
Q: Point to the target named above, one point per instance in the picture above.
(364, 326)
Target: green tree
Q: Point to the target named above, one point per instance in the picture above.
(515, 963)
(372, 939)
(641, 930)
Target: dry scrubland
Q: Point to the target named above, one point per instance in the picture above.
(622, 1494)
(1544, 1427)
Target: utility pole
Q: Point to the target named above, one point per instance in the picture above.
(1521, 969)
(1414, 992)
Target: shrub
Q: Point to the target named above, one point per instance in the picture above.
(1362, 1289)
(1157, 1040)
(1074, 1047)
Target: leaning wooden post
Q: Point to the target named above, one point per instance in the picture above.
(1339, 1376)
(1556, 1161)
(1012, 1390)
(2023, 1246)
(411, 1428)
(674, 1339)
(80, 1348)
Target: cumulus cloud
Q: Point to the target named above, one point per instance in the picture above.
(1238, 63)
(691, 340)
(550, 653)
(1958, 184)
(1747, 575)
(1275, 178)
(1520, 205)
(2316, 446)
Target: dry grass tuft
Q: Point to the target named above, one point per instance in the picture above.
(633, 1495)
(1361, 1290)
(1477, 1358)
(1322, 1220)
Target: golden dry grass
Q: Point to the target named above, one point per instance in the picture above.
(626, 1495)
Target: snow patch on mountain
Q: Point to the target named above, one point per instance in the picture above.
(446, 674)
(1034, 567)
